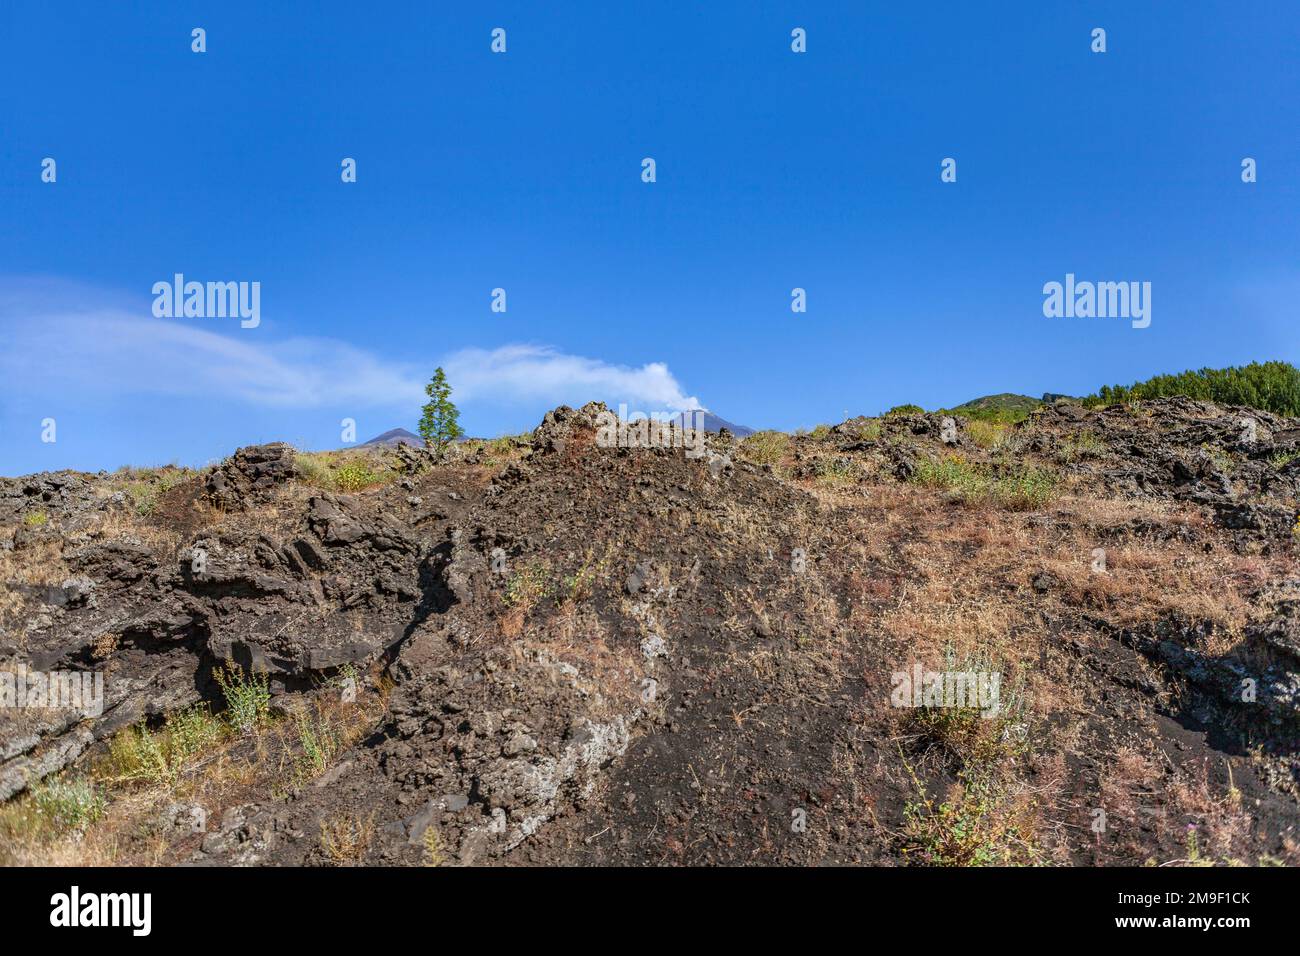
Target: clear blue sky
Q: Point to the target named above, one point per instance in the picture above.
(523, 171)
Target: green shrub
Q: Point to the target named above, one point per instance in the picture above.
(980, 824)
(340, 471)
(170, 477)
(1019, 489)
(138, 754)
(985, 432)
(1077, 447)
(320, 745)
(36, 519)
(765, 447)
(580, 585)
(248, 698)
(50, 809)
(528, 586)
(161, 756)
(144, 486)
(193, 731)
(496, 450)
(1025, 489)
(953, 473)
(1271, 386)
(68, 804)
(908, 409)
(313, 471)
(355, 474)
(834, 470)
(144, 497)
(1223, 461)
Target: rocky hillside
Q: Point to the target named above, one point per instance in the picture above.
(545, 651)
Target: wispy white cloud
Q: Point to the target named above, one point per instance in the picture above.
(95, 349)
(113, 353)
(532, 372)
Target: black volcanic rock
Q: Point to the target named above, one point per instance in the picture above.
(525, 647)
(250, 476)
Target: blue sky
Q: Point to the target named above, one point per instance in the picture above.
(522, 170)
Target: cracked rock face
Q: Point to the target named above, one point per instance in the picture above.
(270, 604)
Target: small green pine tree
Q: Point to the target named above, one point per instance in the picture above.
(439, 425)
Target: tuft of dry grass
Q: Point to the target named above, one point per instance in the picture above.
(1078, 447)
(987, 434)
(39, 562)
(1018, 488)
(765, 448)
(345, 838)
(434, 854)
(346, 471)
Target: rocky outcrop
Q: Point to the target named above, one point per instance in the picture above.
(339, 589)
(250, 476)
(54, 494)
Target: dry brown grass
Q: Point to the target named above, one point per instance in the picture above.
(278, 518)
(765, 448)
(39, 563)
(987, 434)
(345, 838)
(1124, 787)
(929, 580)
(973, 575)
(1215, 825)
(225, 771)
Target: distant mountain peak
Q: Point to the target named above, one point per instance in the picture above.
(712, 423)
(395, 436)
